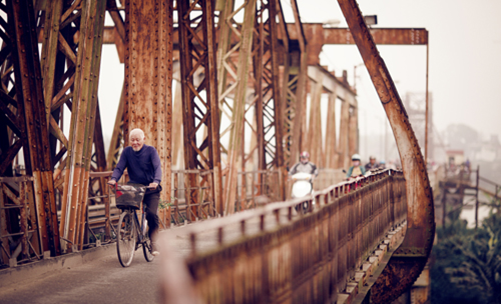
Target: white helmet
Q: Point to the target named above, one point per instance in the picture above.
(355, 157)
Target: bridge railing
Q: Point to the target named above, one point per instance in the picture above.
(272, 254)
(19, 238)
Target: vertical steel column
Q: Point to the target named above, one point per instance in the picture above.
(82, 122)
(331, 155)
(29, 93)
(117, 137)
(99, 158)
(148, 78)
(177, 124)
(314, 140)
(298, 107)
(197, 51)
(12, 126)
(235, 147)
(343, 134)
(268, 92)
(353, 127)
(59, 65)
(284, 78)
(409, 259)
(226, 26)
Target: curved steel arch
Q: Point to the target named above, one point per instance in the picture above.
(409, 259)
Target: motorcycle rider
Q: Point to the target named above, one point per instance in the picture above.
(304, 165)
(356, 169)
(371, 165)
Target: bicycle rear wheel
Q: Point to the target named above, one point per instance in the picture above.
(126, 238)
(147, 249)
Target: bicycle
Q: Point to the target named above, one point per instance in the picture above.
(131, 233)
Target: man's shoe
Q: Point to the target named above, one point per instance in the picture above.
(154, 250)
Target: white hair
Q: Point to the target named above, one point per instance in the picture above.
(137, 131)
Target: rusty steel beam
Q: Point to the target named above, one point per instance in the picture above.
(177, 124)
(284, 78)
(148, 78)
(268, 107)
(117, 136)
(118, 34)
(331, 153)
(53, 61)
(326, 35)
(318, 36)
(410, 258)
(197, 48)
(296, 108)
(353, 142)
(29, 95)
(99, 158)
(235, 112)
(343, 145)
(76, 175)
(313, 142)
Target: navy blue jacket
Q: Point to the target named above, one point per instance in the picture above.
(143, 166)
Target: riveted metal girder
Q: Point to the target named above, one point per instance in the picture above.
(295, 110)
(148, 78)
(237, 76)
(117, 137)
(29, 95)
(331, 153)
(200, 102)
(267, 89)
(318, 36)
(410, 258)
(313, 142)
(84, 102)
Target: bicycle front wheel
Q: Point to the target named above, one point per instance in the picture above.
(147, 249)
(126, 240)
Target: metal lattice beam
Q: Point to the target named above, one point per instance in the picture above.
(200, 102)
(30, 100)
(76, 175)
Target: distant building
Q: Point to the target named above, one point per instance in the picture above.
(455, 157)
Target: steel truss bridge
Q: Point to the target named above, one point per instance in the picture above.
(225, 104)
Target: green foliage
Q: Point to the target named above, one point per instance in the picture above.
(467, 263)
(163, 204)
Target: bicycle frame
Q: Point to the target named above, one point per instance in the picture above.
(129, 206)
(141, 225)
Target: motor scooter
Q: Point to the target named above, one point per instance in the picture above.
(302, 186)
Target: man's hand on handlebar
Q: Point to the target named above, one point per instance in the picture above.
(112, 182)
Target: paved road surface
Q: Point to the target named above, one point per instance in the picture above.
(101, 281)
(104, 280)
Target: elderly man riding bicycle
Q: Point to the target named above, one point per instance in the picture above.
(143, 166)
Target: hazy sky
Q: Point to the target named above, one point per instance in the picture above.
(464, 61)
(464, 58)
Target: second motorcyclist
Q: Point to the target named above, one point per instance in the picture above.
(356, 169)
(304, 165)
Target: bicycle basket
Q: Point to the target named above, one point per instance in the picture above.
(129, 196)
